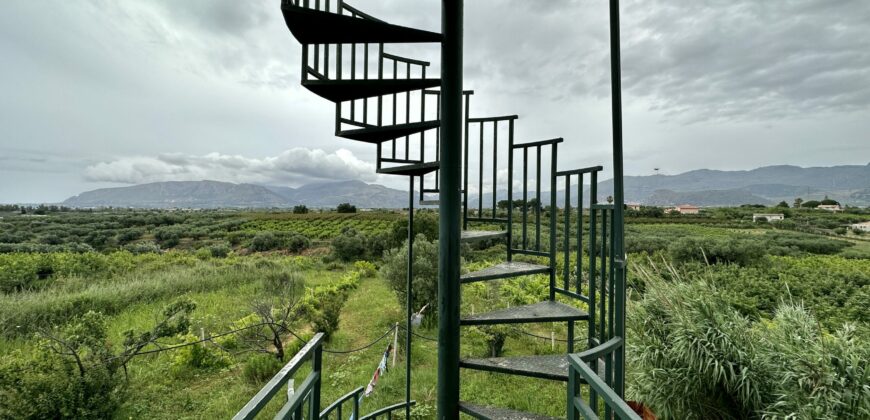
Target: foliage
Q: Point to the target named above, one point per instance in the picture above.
(365, 268)
(265, 241)
(200, 356)
(424, 285)
(260, 368)
(350, 245)
(694, 356)
(322, 305)
(75, 371)
(716, 251)
(345, 208)
(300, 209)
(297, 243)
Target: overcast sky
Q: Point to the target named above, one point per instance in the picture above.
(109, 93)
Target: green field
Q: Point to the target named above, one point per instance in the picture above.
(129, 265)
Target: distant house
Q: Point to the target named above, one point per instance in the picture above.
(830, 207)
(863, 226)
(633, 206)
(685, 209)
(769, 217)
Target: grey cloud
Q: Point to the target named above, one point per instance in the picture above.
(295, 166)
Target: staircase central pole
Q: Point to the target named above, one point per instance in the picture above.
(618, 197)
(449, 209)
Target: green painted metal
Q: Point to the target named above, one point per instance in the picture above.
(618, 191)
(580, 371)
(352, 397)
(409, 294)
(450, 223)
(388, 411)
(393, 133)
(312, 350)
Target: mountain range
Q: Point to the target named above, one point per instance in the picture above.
(215, 194)
(849, 184)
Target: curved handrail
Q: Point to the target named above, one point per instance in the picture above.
(388, 409)
(336, 405)
(600, 350)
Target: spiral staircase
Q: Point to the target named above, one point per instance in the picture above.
(390, 102)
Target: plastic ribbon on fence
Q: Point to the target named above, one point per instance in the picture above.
(380, 370)
(417, 318)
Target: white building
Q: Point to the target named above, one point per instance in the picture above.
(830, 207)
(770, 217)
(863, 226)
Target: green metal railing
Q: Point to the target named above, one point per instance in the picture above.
(580, 372)
(352, 398)
(305, 399)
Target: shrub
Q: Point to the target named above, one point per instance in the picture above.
(197, 356)
(350, 245)
(143, 248)
(264, 241)
(365, 268)
(300, 209)
(220, 250)
(298, 243)
(717, 251)
(425, 281)
(260, 368)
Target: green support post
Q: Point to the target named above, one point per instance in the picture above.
(449, 214)
(618, 197)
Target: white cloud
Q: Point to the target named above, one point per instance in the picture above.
(292, 167)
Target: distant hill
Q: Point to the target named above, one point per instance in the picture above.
(768, 185)
(846, 183)
(214, 194)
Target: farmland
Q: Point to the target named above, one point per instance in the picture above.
(68, 274)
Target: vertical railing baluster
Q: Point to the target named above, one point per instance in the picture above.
(465, 164)
(380, 97)
(566, 229)
(525, 196)
(510, 224)
(480, 176)
(603, 276)
(579, 233)
(554, 154)
(395, 101)
(538, 199)
(494, 168)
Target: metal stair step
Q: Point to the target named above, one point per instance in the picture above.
(430, 202)
(505, 270)
(546, 311)
(318, 27)
(389, 132)
(346, 90)
(482, 235)
(553, 367)
(416, 169)
(498, 413)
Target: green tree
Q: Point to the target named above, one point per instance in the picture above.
(797, 202)
(300, 209)
(782, 204)
(424, 286)
(345, 208)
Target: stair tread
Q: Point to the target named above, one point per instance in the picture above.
(430, 202)
(486, 412)
(546, 311)
(505, 270)
(480, 235)
(554, 367)
(416, 169)
(388, 132)
(318, 27)
(346, 90)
